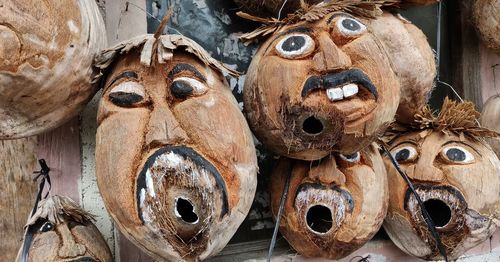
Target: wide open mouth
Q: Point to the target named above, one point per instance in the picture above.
(312, 126)
(445, 204)
(319, 219)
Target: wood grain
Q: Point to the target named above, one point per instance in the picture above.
(17, 192)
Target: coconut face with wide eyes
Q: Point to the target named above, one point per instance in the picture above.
(313, 88)
(46, 54)
(458, 181)
(334, 205)
(176, 164)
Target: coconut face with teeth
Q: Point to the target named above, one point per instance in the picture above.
(317, 87)
(334, 205)
(176, 163)
(457, 179)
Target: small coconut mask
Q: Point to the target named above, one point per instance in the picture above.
(322, 82)
(176, 163)
(334, 205)
(61, 231)
(455, 173)
(46, 54)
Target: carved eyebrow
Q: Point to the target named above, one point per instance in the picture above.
(126, 74)
(405, 142)
(293, 30)
(337, 15)
(185, 67)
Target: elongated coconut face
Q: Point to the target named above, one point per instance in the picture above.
(334, 205)
(65, 233)
(459, 182)
(486, 16)
(46, 54)
(176, 164)
(313, 88)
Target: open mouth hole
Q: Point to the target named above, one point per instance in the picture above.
(319, 219)
(312, 126)
(184, 209)
(439, 212)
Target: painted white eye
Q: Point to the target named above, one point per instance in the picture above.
(353, 158)
(457, 154)
(295, 46)
(405, 153)
(127, 94)
(350, 26)
(184, 87)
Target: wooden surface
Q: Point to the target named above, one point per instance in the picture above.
(17, 192)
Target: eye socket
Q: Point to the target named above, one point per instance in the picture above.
(184, 87)
(127, 94)
(353, 158)
(404, 154)
(350, 27)
(457, 154)
(295, 46)
(47, 226)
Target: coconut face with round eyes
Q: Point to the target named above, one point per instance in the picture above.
(313, 88)
(176, 164)
(70, 237)
(334, 205)
(458, 181)
(46, 54)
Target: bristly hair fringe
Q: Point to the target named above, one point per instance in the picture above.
(312, 13)
(458, 118)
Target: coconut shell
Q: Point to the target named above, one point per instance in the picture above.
(46, 54)
(292, 99)
(270, 8)
(490, 118)
(412, 60)
(486, 14)
(335, 205)
(175, 160)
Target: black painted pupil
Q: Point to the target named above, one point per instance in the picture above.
(293, 43)
(402, 155)
(455, 154)
(351, 156)
(125, 99)
(181, 89)
(46, 227)
(351, 25)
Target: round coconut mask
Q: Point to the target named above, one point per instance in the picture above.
(320, 84)
(61, 231)
(334, 205)
(455, 173)
(176, 163)
(46, 54)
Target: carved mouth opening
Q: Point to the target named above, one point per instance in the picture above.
(319, 219)
(312, 126)
(184, 210)
(439, 211)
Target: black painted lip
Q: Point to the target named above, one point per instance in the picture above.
(84, 259)
(339, 79)
(186, 153)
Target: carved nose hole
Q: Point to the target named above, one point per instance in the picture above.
(319, 219)
(312, 126)
(439, 211)
(184, 210)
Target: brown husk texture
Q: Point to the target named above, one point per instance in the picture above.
(58, 209)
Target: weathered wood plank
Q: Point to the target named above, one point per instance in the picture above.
(17, 192)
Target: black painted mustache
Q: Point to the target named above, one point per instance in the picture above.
(430, 187)
(84, 259)
(337, 79)
(186, 153)
(345, 194)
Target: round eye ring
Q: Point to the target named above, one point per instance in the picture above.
(295, 46)
(457, 155)
(353, 158)
(350, 27)
(406, 153)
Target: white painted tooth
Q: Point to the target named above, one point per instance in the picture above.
(335, 94)
(350, 90)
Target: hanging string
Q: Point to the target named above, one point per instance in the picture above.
(493, 68)
(30, 230)
(428, 220)
(281, 9)
(284, 196)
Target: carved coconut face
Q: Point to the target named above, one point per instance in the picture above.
(314, 88)
(458, 180)
(334, 205)
(46, 54)
(176, 164)
(67, 241)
